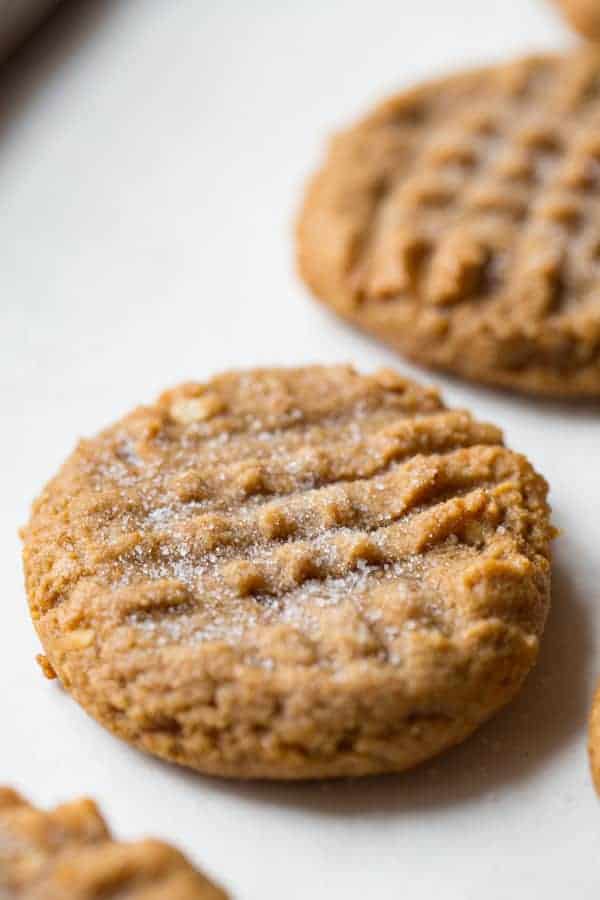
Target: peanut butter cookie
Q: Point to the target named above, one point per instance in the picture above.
(68, 854)
(292, 573)
(594, 739)
(584, 15)
(459, 223)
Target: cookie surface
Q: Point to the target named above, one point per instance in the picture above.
(459, 222)
(68, 854)
(594, 740)
(292, 573)
(584, 15)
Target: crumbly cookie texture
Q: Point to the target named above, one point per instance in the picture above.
(584, 15)
(68, 854)
(292, 573)
(594, 740)
(459, 223)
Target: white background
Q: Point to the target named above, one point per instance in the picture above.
(151, 157)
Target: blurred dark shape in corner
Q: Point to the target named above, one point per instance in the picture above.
(18, 18)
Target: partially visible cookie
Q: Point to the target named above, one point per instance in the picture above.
(459, 222)
(68, 854)
(292, 573)
(594, 739)
(584, 15)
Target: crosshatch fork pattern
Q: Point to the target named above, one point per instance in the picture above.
(300, 531)
(460, 223)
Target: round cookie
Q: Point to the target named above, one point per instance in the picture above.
(459, 222)
(68, 854)
(594, 740)
(584, 15)
(292, 573)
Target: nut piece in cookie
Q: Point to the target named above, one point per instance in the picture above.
(68, 853)
(458, 222)
(292, 573)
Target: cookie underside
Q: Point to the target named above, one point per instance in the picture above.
(292, 574)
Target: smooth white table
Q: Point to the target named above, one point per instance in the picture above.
(151, 158)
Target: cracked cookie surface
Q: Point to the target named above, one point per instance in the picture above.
(459, 223)
(292, 573)
(67, 853)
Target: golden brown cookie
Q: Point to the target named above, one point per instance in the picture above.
(594, 739)
(292, 573)
(584, 15)
(68, 854)
(460, 223)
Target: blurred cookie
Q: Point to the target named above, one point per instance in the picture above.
(594, 739)
(68, 854)
(459, 222)
(292, 573)
(584, 15)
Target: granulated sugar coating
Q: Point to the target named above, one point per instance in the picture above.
(67, 853)
(459, 222)
(292, 573)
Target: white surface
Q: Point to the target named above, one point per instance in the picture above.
(151, 157)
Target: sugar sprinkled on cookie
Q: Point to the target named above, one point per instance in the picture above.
(292, 573)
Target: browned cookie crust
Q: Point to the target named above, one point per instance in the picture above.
(584, 15)
(292, 573)
(460, 223)
(594, 739)
(68, 854)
